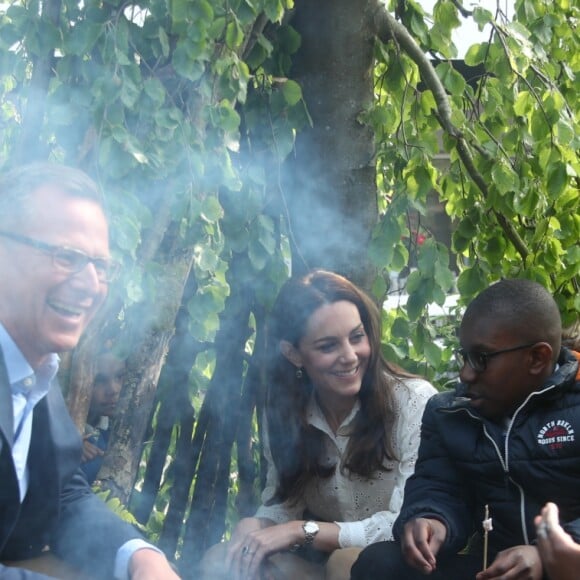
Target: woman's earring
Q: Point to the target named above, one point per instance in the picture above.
(299, 373)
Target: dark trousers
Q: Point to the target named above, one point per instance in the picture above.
(384, 561)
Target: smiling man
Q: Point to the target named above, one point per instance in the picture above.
(506, 440)
(55, 267)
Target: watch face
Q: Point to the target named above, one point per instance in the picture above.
(311, 527)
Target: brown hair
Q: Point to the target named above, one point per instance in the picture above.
(296, 446)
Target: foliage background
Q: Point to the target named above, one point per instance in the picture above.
(207, 125)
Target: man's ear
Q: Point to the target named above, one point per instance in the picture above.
(541, 358)
(291, 353)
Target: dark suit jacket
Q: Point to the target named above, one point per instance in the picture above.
(59, 509)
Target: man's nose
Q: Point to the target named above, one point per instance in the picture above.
(466, 373)
(88, 277)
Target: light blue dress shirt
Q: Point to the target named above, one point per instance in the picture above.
(28, 388)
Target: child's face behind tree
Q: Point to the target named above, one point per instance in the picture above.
(110, 373)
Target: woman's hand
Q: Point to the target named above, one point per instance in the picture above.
(254, 540)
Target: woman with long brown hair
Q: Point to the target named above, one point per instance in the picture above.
(342, 433)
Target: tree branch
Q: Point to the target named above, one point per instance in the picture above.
(464, 12)
(389, 28)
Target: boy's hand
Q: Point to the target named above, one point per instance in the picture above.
(421, 541)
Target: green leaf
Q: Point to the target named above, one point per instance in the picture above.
(446, 13)
(432, 353)
(127, 233)
(441, 41)
(82, 38)
(451, 79)
(234, 34)
(471, 281)
(207, 260)
(179, 11)
(418, 27)
(274, 10)
(539, 125)
(217, 27)
(495, 247)
(201, 10)
(482, 17)
(129, 92)
(284, 137)
(184, 65)
(289, 40)
(258, 255)
(211, 209)
(475, 54)
(428, 103)
(523, 104)
(155, 90)
(504, 177)
(467, 228)
(526, 202)
(227, 117)
(418, 181)
(163, 41)
(565, 132)
(292, 92)
(557, 178)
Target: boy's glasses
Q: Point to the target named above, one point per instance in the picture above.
(477, 360)
(69, 260)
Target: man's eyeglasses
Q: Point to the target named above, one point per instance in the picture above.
(69, 260)
(477, 360)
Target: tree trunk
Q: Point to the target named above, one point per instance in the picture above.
(331, 189)
(121, 462)
(187, 457)
(175, 404)
(252, 398)
(206, 521)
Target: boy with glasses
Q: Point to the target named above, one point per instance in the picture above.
(505, 442)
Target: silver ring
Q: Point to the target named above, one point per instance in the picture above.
(245, 550)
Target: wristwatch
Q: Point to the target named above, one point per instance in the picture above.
(310, 530)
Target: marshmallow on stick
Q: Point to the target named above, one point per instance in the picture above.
(487, 527)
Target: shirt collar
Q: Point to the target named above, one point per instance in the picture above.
(316, 418)
(20, 373)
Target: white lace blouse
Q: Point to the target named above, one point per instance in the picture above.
(364, 509)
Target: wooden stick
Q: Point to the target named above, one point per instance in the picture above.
(487, 527)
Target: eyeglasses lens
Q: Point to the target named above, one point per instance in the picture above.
(73, 261)
(476, 360)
